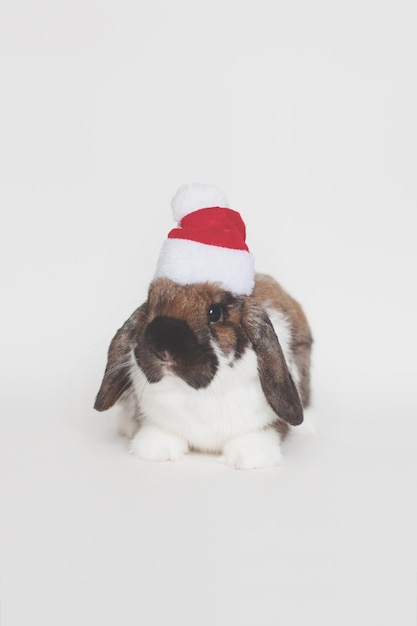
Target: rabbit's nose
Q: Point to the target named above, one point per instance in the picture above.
(166, 356)
(172, 336)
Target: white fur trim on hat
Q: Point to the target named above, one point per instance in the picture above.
(187, 262)
(196, 196)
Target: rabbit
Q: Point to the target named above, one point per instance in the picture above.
(197, 367)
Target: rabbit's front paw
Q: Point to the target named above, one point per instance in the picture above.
(258, 450)
(154, 444)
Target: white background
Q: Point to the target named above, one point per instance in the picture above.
(305, 114)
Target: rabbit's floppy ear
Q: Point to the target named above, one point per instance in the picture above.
(116, 380)
(275, 378)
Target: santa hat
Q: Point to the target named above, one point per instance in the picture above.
(209, 243)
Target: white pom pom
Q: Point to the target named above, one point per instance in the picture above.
(197, 196)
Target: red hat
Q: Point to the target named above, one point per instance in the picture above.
(209, 244)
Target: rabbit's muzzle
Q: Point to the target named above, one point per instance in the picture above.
(170, 347)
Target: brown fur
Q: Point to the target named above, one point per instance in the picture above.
(116, 380)
(187, 303)
(269, 293)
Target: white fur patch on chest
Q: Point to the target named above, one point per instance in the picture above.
(232, 404)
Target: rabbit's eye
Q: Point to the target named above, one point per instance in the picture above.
(215, 314)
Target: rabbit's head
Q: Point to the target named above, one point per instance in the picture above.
(193, 332)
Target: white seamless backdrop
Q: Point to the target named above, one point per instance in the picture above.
(304, 113)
